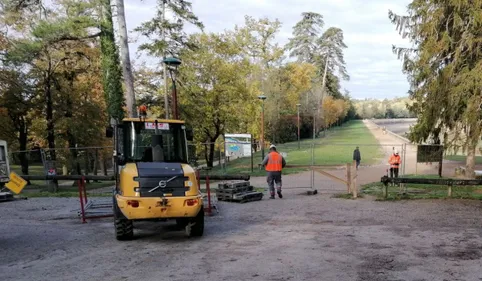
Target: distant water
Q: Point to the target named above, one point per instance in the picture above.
(397, 126)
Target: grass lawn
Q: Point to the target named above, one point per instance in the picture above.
(333, 150)
(462, 158)
(420, 191)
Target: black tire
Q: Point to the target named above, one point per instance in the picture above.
(124, 229)
(195, 228)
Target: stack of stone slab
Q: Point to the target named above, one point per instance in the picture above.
(239, 191)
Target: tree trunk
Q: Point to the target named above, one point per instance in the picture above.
(96, 161)
(50, 125)
(125, 59)
(49, 117)
(210, 158)
(206, 154)
(86, 163)
(104, 166)
(71, 141)
(23, 140)
(470, 161)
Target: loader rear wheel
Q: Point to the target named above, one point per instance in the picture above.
(195, 227)
(124, 229)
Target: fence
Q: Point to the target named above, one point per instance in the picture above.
(329, 154)
(428, 188)
(75, 161)
(324, 153)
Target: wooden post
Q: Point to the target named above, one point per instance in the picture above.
(348, 177)
(449, 191)
(355, 190)
(385, 191)
(440, 167)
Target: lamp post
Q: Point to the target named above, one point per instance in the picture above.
(172, 63)
(313, 144)
(262, 98)
(314, 123)
(298, 106)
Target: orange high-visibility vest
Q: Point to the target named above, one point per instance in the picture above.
(394, 161)
(275, 162)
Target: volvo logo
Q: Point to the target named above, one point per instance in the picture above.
(163, 184)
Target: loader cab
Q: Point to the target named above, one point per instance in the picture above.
(141, 142)
(151, 140)
(4, 164)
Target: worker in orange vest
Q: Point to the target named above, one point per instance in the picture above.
(394, 162)
(274, 164)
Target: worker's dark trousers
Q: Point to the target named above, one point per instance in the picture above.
(274, 178)
(394, 172)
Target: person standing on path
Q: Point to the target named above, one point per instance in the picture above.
(357, 156)
(394, 162)
(274, 164)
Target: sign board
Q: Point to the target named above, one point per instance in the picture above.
(429, 153)
(16, 183)
(160, 126)
(284, 154)
(237, 145)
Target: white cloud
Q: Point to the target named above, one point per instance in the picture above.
(375, 71)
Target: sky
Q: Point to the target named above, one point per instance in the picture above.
(375, 72)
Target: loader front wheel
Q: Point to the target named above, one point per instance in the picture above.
(124, 229)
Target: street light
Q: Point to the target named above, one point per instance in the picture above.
(314, 122)
(173, 64)
(313, 144)
(298, 106)
(262, 98)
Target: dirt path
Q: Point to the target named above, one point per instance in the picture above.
(297, 238)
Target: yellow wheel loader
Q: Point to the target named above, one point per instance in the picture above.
(153, 178)
(4, 165)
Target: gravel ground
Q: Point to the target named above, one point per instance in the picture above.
(297, 238)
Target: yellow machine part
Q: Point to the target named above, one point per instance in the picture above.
(135, 207)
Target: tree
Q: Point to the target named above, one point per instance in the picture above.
(168, 36)
(42, 49)
(287, 86)
(57, 52)
(111, 72)
(443, 66)
(16, 101)
(126, 61)
(256, 38)
(323, 49)
(148, 84)
(304, 43)
(214, 94)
